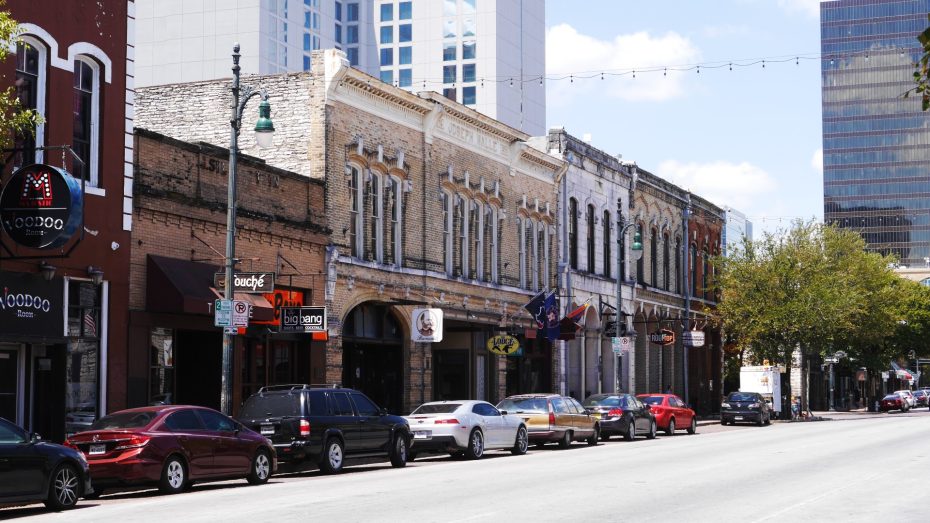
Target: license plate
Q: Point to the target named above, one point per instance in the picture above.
(422, 434)
(737, 417)
(97, 449)
(267, 429)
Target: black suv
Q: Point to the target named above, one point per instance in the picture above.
(326, 426)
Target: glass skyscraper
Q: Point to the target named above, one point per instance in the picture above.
(876, 143)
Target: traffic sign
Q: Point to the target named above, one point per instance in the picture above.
(230, 313)
(240, 315)
(621, 344)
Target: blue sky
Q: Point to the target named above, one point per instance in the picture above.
(749, 138)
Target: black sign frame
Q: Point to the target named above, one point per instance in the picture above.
(303, 320)
(267, 282)
(31, 306)
(49, 216)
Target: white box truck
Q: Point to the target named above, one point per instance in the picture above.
(764, 379)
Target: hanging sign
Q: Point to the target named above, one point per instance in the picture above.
(427, 326)
(303, 319)
(663, 337)
(504, 345)
(694, 339)
(247, 282)
(31, 306)
(41, 206)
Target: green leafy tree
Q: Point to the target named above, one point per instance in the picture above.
(14, 120)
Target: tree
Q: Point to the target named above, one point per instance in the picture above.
(14, 120)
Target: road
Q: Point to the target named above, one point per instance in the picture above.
(858, 468)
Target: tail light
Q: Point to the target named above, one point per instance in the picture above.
(135, 441)
(448, 421)
(551, 418)
(615, 413)
(70, 445)
(304, 428)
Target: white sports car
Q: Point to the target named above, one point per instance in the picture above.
(466, 426)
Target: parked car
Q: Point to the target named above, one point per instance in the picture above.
(622, 414)
(908, 397)
(552, 418)
(894, 401)
(921, 398)
(745, 406)
(467, 427)
(325, 426)
(34, 470)
(671, 413)
(172, 447)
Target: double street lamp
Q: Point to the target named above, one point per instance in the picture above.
(637, 251)
(264, 134)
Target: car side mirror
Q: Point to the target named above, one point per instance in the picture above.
(503, 413)
(383, 411)
(35, 437)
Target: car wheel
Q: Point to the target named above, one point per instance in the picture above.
(768, 419)
(333, 457)
(261, 468)
(652, 430)
(630, 431)
(399, 454)
(566, 440)
(173, 476)
(693, 428)
(64, 489)
(592, 441)
(761, 421)
(521, 443)
(475, 445)
(670, 430)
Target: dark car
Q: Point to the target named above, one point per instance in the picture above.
(172, 446)
(34, 470)
(325, 426)
(621, 414)
(921, 398)
(893, 402)
(745, 407)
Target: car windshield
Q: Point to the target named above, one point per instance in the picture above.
(125, 420)
(652, 400)
(524, 405)
(742, 396)
(603, 401)
(272, 405)
(436, 408)
(891, 397)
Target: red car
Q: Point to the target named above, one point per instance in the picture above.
(172, 446)
(671, 413)
(893, 402)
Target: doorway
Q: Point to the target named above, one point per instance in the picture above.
(199, 367)
(373, 355)
(10, 383)
(450, 375)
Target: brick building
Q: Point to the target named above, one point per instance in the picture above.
(63, 364)
(429, 204)
(175, 351)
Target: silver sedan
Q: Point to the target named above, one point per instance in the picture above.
(467, 427)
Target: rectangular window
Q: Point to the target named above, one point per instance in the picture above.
(316, 43)
(468, 50)
(307, 18)
(27, 91)
(450, 93)
(354, 214)
(405, 77)
(405, 10)
(316, 21)
(161, 374)
(446, 201)
(306, 63)
(448, 29)
(468, 73)
(387, 12)
(352, 34)
(338, 34)
(387, 76)
(83, 106)
(307, 42)
(352, 12)
(448, 74)
(404, 32)
(405, 55)
(468, 27)
(521, 235)
(387, 34)
(338, 10)
(352, 55)
(387, 56)
(449, 8)
(468, 7)
(468, 95)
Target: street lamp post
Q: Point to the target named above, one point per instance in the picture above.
(264, 132)
(637, 248)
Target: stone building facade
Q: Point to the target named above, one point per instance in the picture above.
(429, 204)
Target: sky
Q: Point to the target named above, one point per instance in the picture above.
(749, 138)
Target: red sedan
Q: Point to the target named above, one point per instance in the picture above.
(172, 446)
(671, 413)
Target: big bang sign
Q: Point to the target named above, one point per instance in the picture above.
(41, 206)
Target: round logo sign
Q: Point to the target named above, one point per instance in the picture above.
(503, 345)
(41, 206)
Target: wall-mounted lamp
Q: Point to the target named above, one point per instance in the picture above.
(96, 274)
(47, 269)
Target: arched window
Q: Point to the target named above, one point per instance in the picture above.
(529, 232)
(474, 249)
(521, 223)
(446, 200)
(654, 258)
(542, 248)
(355, 212)
(705, 276)
(589, 217)
(666, 263)
(694, 270)
(392, 219)
(86, 108)
(31, 63)
(544, 232)
(573, 233)
(608, 261)
(678, 274)
(374, 249)
(641, 262)
(461, 233)
(482, 241)
(495, 245)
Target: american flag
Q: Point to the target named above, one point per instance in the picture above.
(90, 323)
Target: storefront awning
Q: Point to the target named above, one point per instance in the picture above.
(186, 287)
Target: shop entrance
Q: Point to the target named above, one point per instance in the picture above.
(9, 382)
(372, 355)
(450, 375)
(199, 366)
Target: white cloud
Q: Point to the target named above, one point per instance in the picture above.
(723, 183)
(807, 7)
(817, 161)
(570, 52)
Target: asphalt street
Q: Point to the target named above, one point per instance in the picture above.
(854, 468)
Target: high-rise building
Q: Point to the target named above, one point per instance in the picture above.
(485, 54)
(875, 142)
(737, 227)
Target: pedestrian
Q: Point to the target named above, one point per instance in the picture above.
(795, 408)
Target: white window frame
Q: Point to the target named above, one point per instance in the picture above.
(93, 167)
(377, 214)
(464, 240)
(41, 90)
(359, 247)
(396, 220)
(447, 201)
(479, 242)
